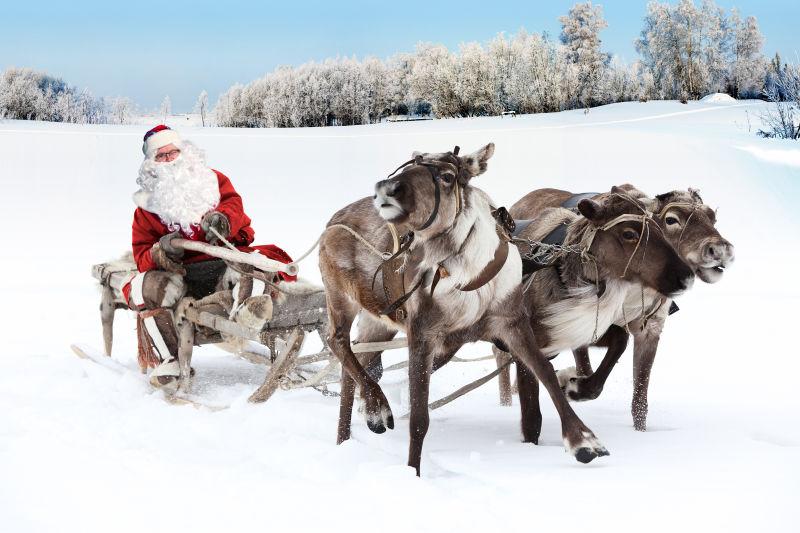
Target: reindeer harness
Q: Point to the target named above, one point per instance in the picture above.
(393, 268)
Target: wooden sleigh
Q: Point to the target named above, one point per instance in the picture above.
(283, 335)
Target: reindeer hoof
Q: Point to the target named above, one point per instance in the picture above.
(377, 425)
(378, 420)
(587, 455)
(588, 449)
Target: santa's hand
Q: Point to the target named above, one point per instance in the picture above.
(218, 221)
(163, 260)
(165, 242)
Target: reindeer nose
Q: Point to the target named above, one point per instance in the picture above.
(718, 251)
(386, 188)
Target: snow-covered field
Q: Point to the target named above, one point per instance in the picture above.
(86, 449)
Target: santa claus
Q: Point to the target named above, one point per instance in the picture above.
(180, 197)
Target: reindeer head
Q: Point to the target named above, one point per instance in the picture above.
(628, 244)
(426, 194)
(688, 225)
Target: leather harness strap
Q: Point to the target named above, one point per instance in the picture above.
(437, 198)
(492, 268)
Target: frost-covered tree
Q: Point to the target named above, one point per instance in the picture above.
(121, 110)
(399, 70)
(747, 66)
(715, 41)
(691, 51)
(227, 106)
(474, 84)
(32, 95)
(621, 83)
(166, 108)
(433, 79)
(580, 34)
(201, 106)
(782, 119)
(775, 72)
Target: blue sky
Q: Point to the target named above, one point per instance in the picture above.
(147, 50)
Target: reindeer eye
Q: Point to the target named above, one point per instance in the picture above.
(671, 220)
(629, 235)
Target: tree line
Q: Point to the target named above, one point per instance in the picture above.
(686, 51)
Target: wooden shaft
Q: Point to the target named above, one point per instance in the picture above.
(221, 324)
(283, 363)
(366, 347)
(107, 308)
(256, 260)
(185, 346)
(465, 389)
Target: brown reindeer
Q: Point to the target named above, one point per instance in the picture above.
(573, 302)
(688, 225)
(478, 297)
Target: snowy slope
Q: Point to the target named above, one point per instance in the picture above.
(83, 448)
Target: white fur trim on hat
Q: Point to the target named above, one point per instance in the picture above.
(159, 140)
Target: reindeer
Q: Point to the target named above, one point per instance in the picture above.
(688, 224)
(462, 284)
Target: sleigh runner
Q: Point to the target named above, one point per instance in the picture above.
(295, 315)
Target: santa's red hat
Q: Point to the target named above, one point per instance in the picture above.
(159, 137)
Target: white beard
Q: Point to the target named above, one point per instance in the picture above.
(179, 192)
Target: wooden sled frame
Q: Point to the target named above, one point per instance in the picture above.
(286, 368)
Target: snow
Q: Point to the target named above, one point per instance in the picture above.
(86, 448)
(718, 98)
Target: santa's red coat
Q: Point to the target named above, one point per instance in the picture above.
(148, 229)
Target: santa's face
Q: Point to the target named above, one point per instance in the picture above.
(167, 154)
(177, 186)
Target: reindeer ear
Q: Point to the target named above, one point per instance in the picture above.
(474, 164)
(663, 198)
(695, 193)
(591, 209)
(629, 189)
(649, 203)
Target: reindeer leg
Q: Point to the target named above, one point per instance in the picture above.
(589, 387)
(531, 420)
(341, 314)
(645, 345)
(369, 330)
(425, 355)
(348, 389)
(420, 368)
(583, 365)
(504, 378)
(578, 438)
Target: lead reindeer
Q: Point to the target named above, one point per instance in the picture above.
(458, 244)
(688, 224)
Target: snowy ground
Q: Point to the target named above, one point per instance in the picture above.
(85, 449)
